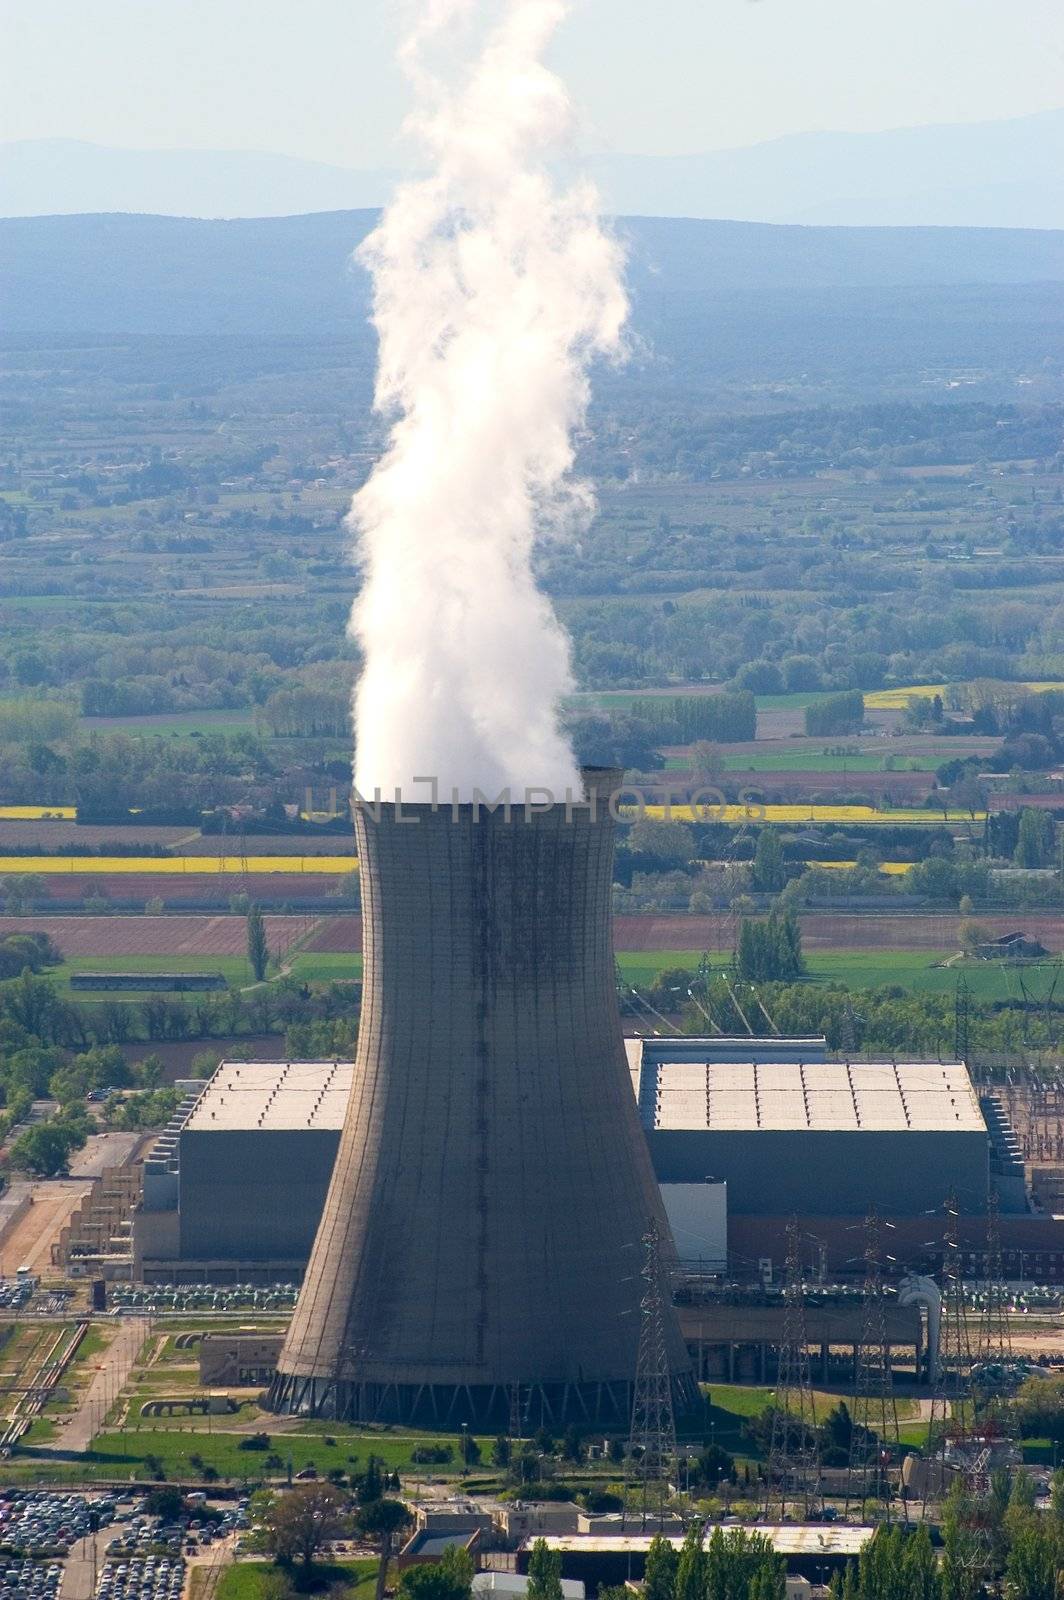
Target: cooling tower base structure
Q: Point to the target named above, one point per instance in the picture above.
(481, 1242)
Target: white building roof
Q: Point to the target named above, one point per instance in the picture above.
(274, 1096)
(876, 1096)
(787, 1539)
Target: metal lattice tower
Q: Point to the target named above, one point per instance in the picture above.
(962, 1011)
(875, 1413)
(951, 1405)
(995, 1333)
(652, 1441)
(794, 1456)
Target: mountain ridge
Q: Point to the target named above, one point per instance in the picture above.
(1008, 173)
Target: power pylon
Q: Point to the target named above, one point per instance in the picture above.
(652, 1442)
(995, 1333)
(951, 1406)
(874, 1432)
(962, 1009)
(794, 1455)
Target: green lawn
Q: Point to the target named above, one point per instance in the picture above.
(346, 1579)
(176, 725)
(324, 966)
(122, 1453)
(865, 969)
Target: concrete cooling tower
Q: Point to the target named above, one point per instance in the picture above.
(482, 1232)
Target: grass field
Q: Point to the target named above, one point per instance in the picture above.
(351, 1580)
(865, 969)
(178, 725)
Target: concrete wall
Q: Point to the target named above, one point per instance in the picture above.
(253, 1194)
(840, 1173)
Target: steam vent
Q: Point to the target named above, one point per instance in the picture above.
(481, 1238)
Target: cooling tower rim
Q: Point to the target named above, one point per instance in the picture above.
(601, 786)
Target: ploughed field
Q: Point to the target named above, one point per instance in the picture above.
(79, 937)
(225, 934)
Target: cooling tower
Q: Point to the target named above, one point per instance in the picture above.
(482, 1232)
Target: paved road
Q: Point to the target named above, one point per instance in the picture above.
(103, 1150)
(28, 1243)
(114, 1367)
(80, 1569)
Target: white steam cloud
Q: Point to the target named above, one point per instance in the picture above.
(493, 292)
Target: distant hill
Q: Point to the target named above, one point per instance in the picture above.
(292, 275)
(993, 174)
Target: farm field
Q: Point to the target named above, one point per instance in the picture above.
(192, 937)
(838, 930)
(916, 970)
(869, 816)
(160, 866)
(196, 937)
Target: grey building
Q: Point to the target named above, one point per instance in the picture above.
(790, 1134)
(483, 1226)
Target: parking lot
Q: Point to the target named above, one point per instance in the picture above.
(142, 1578)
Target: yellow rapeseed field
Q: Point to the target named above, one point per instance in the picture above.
(37, 813)
(898, 699)
(893, 869)
(810, 813)
(190, 865)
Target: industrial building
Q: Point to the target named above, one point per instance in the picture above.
(790, 1132)
(490, 1132)
(236, 1193)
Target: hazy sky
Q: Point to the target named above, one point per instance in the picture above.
(314, 78)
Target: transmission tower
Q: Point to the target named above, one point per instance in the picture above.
(652, 1442)
(794, 1456)
(516, 1431)
(874, 1432)
(848, 1031)
(962, 1004)
(995, 1333)
(951, 1407)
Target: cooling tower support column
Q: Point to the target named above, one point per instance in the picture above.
(492, 1186)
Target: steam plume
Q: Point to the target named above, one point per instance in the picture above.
(493, 291)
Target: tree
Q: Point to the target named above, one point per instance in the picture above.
(258, 951)
(544, 1573)
(1031, 1567)
(44, 1150)
(1034, 844)
(450, 1578)
(707, 761)
(501, 1451)
(769, 873)
(662, 1561)
(298, 1522)
(770, 951)
(691, 1567)
(381, 1521)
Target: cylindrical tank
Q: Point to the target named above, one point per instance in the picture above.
(482, 1234)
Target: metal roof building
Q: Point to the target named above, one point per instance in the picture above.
(809, 1135)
